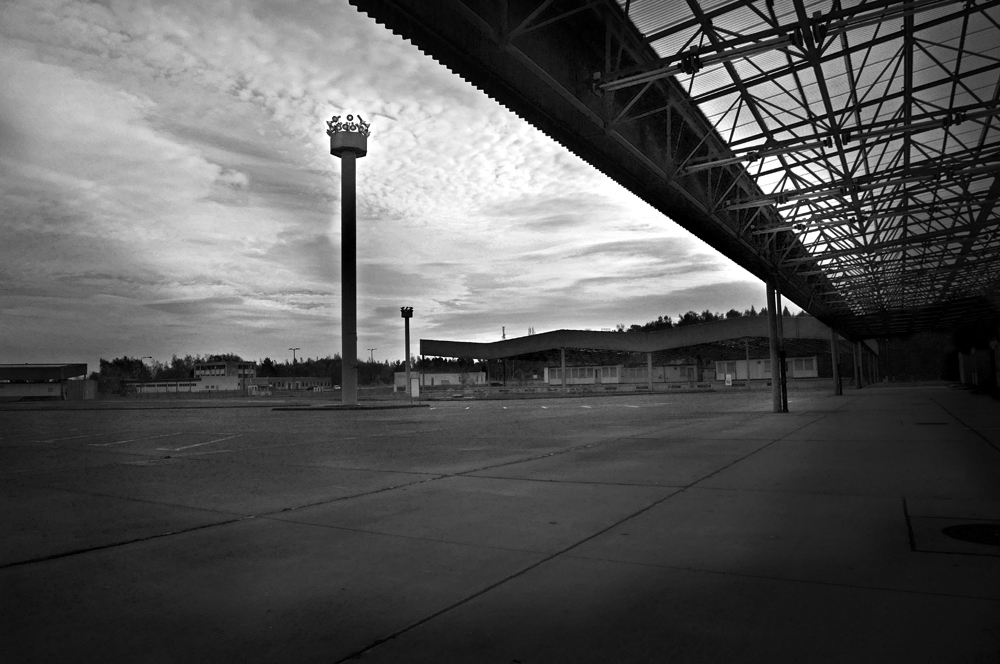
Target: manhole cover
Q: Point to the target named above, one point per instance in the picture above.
(978, 533)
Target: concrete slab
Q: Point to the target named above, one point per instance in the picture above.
(39, 522)
(271, 591)
(790, 544)
(231, 486)
(858, 541)
(510, 514)
(666, 461)
(576, 610)
(870, 466)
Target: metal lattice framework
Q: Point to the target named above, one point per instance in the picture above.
(848, 152)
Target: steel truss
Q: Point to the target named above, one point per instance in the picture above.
(847, 151)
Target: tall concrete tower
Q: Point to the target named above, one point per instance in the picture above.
(349, 142)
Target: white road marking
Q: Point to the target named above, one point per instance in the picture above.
(207, 442)
(628, 406)
(86, 435)
(132, 440)
(584, 406)
(200, 453)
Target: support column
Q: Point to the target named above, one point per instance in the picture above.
(857, 365)
(406, 336)
(562, 352)
(649, 371)
(349, 281)
(838, 389)
(772, 329)
(746, 345)
(781, 347)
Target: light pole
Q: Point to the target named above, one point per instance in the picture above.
(348, 141)
(407, 313)
(293, 353)
(371, 354)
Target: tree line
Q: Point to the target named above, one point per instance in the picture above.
(114, 375)
(694, 318)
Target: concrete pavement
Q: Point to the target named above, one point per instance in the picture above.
(683, 527)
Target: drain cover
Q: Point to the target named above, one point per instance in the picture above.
(978, 533)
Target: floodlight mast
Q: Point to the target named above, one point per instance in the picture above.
(407, 313)
(348, 141)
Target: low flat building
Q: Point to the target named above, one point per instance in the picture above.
(440, 379)
(45, 381)
(283, 383)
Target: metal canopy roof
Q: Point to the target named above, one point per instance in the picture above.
(847, 151)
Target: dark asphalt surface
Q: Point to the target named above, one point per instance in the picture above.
(665, 527)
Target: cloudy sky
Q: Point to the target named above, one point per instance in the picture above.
(166, 188)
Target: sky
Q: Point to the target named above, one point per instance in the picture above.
(166, 188)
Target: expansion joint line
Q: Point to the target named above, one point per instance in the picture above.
(962, 422)
(112, 545)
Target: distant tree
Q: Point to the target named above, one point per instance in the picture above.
(179, 367)
(802, 312)
(266, 368)
(620, 327)
(750, 312)
(785, 311)
(224, 357)
(690, 318)
(733, 313)
(114, 374)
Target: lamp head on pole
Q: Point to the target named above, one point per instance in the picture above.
(349, 136)
(406, 312)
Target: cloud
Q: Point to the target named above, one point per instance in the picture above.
(195, 307)
(167, 181)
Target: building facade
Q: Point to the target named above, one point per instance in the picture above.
(440, 379)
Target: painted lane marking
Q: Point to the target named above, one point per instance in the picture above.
(207, 442)
(132, 440)
(585, 406)
(86, 435)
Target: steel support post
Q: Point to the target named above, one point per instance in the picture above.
(772, 329)
(857, 365)
(781, 348)
(649, 371)
(746, 345)
(838, 389)
(349, 279)
(562, 352)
